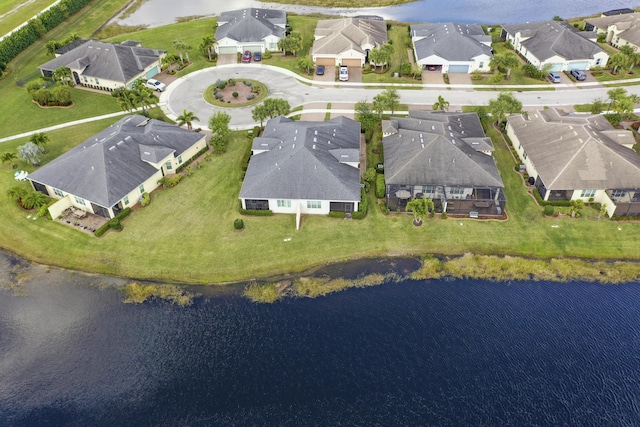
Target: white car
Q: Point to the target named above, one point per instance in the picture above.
(156, 85)
(344, 74)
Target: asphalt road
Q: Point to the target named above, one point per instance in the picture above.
(186, 93)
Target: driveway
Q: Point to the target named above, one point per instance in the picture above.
(459, 78)
(228, 59)
(432, 78)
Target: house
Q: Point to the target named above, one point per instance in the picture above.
(347, 41)
(442, 156)
(252, 29)
(304, 167)
(555, 44)
(111, 170)
(451, 48)
(107, 66)
(571, 157)
(620, 30)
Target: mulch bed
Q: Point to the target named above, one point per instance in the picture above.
(242, 89)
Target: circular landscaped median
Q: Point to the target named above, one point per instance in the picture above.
(235, 93)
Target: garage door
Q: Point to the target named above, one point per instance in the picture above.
(227, 50)
(252, 48)
(458, 68)
(578, 65)
(352, 62)
(555, 67)
(330, 62)
(152, 72)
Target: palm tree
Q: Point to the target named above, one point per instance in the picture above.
(144, 97)
(618, 60)
(34, 199)
(207, 44)
(441, 104)
(9, 157)
(420, 207)
(180, 46)
(40, 139)
(506, 60)
(186, 118)
(62, 75)
(16, 193)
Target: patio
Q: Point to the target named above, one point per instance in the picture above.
(82, 221)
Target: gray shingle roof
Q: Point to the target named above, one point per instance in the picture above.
(629, 24)
(430, 148)
(304, 161)
(114, 162)
(251, 24)
(451, 41)
(576, 152)
(334, 36)
(551, 38)
(107, 61)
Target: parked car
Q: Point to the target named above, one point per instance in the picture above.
(246, 56)
(579, 74)
(320, 70)
(156, 85)
(344, 74)
(257, 57)
(554, 78)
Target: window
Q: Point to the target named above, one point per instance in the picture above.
(429, 189)
(618, 193)
(481, 65)
(58, 192)
(97, 81)
(524, 155)
(169, 165)
(126, 200)
(588, 193)
(141, 188)
(314, 204)
(85, 79)
(598, 61)
(457, 190)
(79, 200)
(284, 203)
(179, 160)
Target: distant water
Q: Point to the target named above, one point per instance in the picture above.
(161, 12)
(441, 353)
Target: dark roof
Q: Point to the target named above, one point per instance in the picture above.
(116, 62)
(551, 38)
(573, 152)
(617, 12)
(305, 160)
(451, 41)
(114, 162)
(251, 24)
(70, 46)
(439, 148)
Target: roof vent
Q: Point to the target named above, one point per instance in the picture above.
(433, 127)
(112, 148)
(313, 146)
(146, 153)
(120, 143)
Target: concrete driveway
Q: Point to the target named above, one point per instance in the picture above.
(432, 78)
(459, 78)
(228, 59)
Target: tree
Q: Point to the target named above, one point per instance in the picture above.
(306, 62)
(634, 59)
(61, 95)
(277, 107)
(40, 139)
(393, 99)
(615, 96)
(420, 207)
(219, 126)
(365, 116)
(260, 113)
(505, 61)
(441, 104)
(380, 104)
(52, 46)
(16, 193)
(181, 47)
(63, 75)
(30, 153)
(597, 106)
(292, 43)
(505, 104)
(144, 97)
(576, 206)
(9, 157)
(206, 45)
(618, 60)
(380, 56)
(34, 199)
(186, 118)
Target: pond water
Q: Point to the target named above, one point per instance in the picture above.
(161, 12)
(445, 352)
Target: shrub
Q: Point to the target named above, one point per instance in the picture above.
(170, 181)
(256, 212)
(248, 84)
(251, 96)
(231, 82)
(100, 231)
(549, 210)
(444, 215)
(234, 94)
(266, 55)
(115, 224)
(146, 199)
(221, 84)
(380, 187)
(238, 224)
(333, 214)
(476, 77)
(613, 118)
(358, 215)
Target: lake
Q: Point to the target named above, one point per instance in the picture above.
(161, 12)
(442, 353)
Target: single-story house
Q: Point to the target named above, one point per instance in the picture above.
(445, 157)
(111, 170)
(347, 41)
(571, 157)
(252, 29)
(621, 30)
(304, 167)
(107, 66)
(451, 47)
(556, 44)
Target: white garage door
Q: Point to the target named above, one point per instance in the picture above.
(555, 67)
(458, 68)
(578, 65)
(227, 50)
(252, 48)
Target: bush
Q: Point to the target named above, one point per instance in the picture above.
(358, 215)
(333, 214)
(444, 215)
(100, 231)
(476, 77)
(238, 224)
(549, 210)
(170, 181)
(251, 96)
(234, 94)
(613, 118)
(248, 84)
(115, 224)
(266, 55)
(265, 212)
(380, 186)
(146, 199)
(188, 162)
(221, 84)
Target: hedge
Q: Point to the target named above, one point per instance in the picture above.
(188, 162)
(256, 212)
(380, 187)
(563, 203)
(100, 231)
(333, 214)
(12, 45)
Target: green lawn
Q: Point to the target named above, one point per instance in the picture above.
(15, 12)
